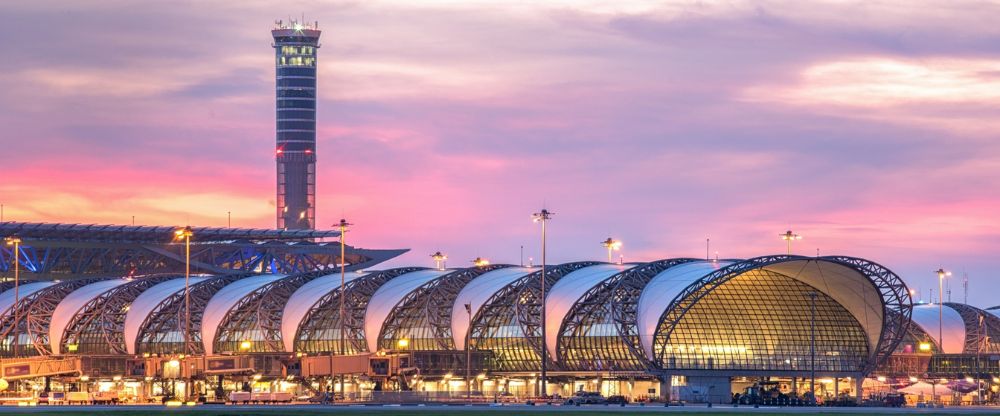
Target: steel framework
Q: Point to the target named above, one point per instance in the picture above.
(319, 331)
(31, 332)
(423, 317)
(509, 323)
(70, 251)
(894, 296)
(99, 327)
(981, 329)
(160, 332)
(600, 332)
(257, 316)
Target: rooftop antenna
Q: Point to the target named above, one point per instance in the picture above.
(948, 289)
(965, 285)
(708, 242)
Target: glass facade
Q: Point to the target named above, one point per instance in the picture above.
(761, 320)
(295, 152)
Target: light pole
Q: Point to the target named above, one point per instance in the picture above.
(186, 233)
(543, 217)
(480, 262)
(439, 259)
(941, 273)
(788, 236)
(468, 356)
(343, 224)
(812, 345)
(16, 242)
(612, 245)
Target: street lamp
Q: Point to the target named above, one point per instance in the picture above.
(941, 273)
(480, 262)
(15, 241)
(611, 245)
(468, 356)
(439, 259)
(543, 217)
(788, 236)
(343, 224)
(186, 233)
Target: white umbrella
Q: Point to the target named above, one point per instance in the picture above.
(926, 389)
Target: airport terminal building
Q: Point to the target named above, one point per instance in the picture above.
(266, 311)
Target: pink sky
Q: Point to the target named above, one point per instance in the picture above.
(871, 129)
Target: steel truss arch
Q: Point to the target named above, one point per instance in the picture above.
(161, 333)
(99, 326)
(614, 302)
(981, 328)
(428, 308)
(894, 296)
(324, 315)
(517, 307)
(35, 313)
(260, 313)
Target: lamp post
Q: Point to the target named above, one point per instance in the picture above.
(15, 241)
(480, 262)
(788, 236)
(343, 224)
(468, 356)
(941, 273)
(612, 245)
(439, 259)
(186, 233)
(543, 216)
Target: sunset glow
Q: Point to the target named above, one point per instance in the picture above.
(443, 126)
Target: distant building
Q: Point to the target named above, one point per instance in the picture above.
(295, 45)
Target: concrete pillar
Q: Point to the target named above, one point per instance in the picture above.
(665, 381)
(836, 387)
(860, 380)
(795, 385)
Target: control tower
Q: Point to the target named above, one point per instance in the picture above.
(295, 45)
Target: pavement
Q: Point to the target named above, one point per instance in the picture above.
(517, 409)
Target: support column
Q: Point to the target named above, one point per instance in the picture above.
(795, 385)
(665, 381)
(860, 380)
(836, 387)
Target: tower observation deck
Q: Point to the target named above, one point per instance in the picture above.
(295, 45)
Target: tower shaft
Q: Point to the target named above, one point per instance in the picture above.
(295, 46)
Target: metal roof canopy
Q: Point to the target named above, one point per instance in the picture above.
(145, 233)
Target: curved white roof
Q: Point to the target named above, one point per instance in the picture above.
(851, 289)
(304, 299)
(477, 292)
(565, 292)
(144, 304)
(927, 318)
(7, 297)
(223, 301)
(386, 298)
(661, 290)
(71, 304)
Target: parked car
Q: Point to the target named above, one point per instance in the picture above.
(585, 397)
(617, 400)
